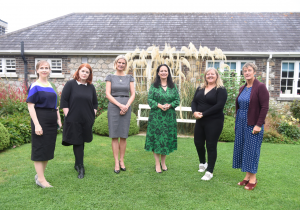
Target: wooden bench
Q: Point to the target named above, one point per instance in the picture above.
(146, 106)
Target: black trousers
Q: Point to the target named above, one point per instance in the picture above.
(79, 153)
(208, 131)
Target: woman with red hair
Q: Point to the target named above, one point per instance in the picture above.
(79, 103)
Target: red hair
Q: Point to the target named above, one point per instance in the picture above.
(90, 78)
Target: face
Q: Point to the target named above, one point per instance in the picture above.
(248, 73)
(121, 65)
(211, 77)
(44, 70)
(163, 72)
(84, 73)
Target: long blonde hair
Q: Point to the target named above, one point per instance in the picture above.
(219, 82)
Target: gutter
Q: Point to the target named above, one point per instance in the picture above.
(268, 71)
(25, 64)
(118, 52)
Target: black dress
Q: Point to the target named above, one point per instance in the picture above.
(81, 101)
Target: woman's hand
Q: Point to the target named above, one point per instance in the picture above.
(59, 123)
(198, 115)
(123, 108)
(256, 129)
(38, 130)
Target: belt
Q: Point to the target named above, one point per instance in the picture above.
(121, 96)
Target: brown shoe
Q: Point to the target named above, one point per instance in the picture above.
(243, 183)
(250, 186)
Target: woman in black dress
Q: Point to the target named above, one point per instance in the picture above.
(79, 103)
(42, 101)
(207, 106)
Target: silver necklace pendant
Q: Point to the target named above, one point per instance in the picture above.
(120, 80)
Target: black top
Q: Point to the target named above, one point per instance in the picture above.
(211, 104)
(81, 101)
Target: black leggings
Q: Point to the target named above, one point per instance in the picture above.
(78, 152)
(208, 131)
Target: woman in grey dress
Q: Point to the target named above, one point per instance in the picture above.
(118, 86)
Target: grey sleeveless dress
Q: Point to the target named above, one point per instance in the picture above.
(118, 125)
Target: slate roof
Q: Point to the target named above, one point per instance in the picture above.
(242, 32)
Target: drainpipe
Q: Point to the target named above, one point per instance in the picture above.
(25, 64)
(268, 71)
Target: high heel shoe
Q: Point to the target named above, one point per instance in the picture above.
(157, 171)
(122, 169)
(163, 169)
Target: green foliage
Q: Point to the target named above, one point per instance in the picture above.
(4, 137)
(288, 129)
(272, 136)
(295, 109)
(101, 96)
(228, 133)
(101, 125)
(232, 83)
(19, 128)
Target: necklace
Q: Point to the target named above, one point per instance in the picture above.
(120, 77)
(164, 85)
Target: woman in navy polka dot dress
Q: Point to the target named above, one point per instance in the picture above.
(252, 105)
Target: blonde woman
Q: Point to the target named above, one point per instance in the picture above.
(207, 107)
(42, 102)
(118, 87)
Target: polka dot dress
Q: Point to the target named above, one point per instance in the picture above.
(246, 145)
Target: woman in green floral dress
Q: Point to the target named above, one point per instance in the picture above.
(163, 98)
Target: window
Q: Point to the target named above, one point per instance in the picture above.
(7, 65)
(55, 65)
(290, 78)
(236, 65)
(216, 65)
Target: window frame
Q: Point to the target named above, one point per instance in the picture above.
(238, 65)
(52, 74)
(4, 72)
(296, 78)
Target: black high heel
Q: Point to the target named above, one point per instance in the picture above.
(122, 169)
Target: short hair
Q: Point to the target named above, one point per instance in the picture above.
(39, 64)
(90, 78)
(249, 64)
(219, 82)
(118, 58)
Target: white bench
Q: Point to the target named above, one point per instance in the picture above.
(146, 106)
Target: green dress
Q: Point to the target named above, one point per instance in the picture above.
(161, 135)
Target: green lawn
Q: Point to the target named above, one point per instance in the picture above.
(140, 187)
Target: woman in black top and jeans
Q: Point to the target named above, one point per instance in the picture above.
(207, 107)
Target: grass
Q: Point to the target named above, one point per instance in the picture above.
(140, 187)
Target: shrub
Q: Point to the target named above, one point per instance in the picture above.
(4, 137)
(228, 133)
(101, 125)
(101, 96)
(288, 129)
(295, 109)
(19, 128)
(272, 136)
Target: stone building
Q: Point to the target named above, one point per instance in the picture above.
(270, 40)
